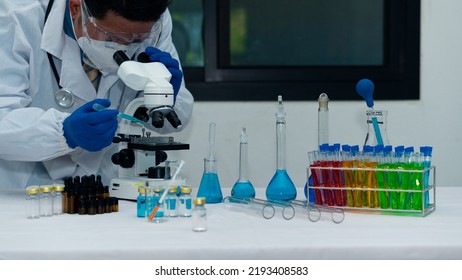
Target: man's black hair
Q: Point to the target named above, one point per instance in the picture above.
(134, 10)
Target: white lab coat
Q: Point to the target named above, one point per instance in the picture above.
(33, 149)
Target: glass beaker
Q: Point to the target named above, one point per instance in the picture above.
(376, 128)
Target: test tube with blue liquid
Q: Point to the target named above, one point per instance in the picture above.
(243, 188)
(426, 152)
(209, 187)
(281, 186)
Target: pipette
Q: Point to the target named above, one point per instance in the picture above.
(265, 209)
(365, 88)
(98, 107)
(314, 211)
(164, 194)
(288, 211)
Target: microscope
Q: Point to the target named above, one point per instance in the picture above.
(140, 154)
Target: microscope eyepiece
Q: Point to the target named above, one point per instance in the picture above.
(173, 119)
(143, 57)
(120, 57)
(157, 119)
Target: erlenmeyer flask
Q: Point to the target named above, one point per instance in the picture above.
(376, 128)
(209, 187)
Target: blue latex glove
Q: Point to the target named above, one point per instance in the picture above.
(156, 55)
(89, 129)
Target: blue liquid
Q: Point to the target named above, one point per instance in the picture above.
(141, 206)
(281, 187)
(243, 190)
(427, 164)
(305, 190)
(210, 188)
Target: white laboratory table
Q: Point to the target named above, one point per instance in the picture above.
(232, 234)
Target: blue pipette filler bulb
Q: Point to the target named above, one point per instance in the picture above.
(365, 88)
(243, 188)
(281, 186)
(210, 187)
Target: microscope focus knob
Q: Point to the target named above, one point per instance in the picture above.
(125, 158)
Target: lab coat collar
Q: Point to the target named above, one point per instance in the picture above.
(66, 49)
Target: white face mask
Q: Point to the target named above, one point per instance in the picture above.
(98, 54)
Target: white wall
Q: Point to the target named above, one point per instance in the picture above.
(433, 120)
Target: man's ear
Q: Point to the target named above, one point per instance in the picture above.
(74, 7)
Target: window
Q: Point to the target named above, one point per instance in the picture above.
(259, 49)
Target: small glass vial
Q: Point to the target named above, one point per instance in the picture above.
(108, 205)
(185, 202)
(115, 204)
(171, 203)
(141, 202)
(57, 195)
(199, 215)
(91, 207)
(160, 216)
(46, 201)
(82, 207)
(33, 202)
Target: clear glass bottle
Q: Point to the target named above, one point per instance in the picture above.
(185, 202)
(376, 128)
(58, 199)
(199, 215)
(171, 203)
(33, 202)
(46, 201)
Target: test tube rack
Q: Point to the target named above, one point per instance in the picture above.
(375, 190)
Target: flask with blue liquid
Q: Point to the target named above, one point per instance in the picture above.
(243, 188)
(281, 186)
(209, 187)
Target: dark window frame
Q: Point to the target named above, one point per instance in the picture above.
(397, 79)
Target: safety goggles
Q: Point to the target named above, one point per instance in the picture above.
(99, 33)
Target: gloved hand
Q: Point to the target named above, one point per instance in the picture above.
(89, 129)
(156, 55)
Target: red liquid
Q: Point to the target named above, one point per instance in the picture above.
(340, 195)
(317, 182)
(328, 176)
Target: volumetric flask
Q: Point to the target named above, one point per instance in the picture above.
(248, 205)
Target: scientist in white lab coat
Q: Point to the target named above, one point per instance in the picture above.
(48, 129)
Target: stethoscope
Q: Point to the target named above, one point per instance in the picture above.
(64, 96)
